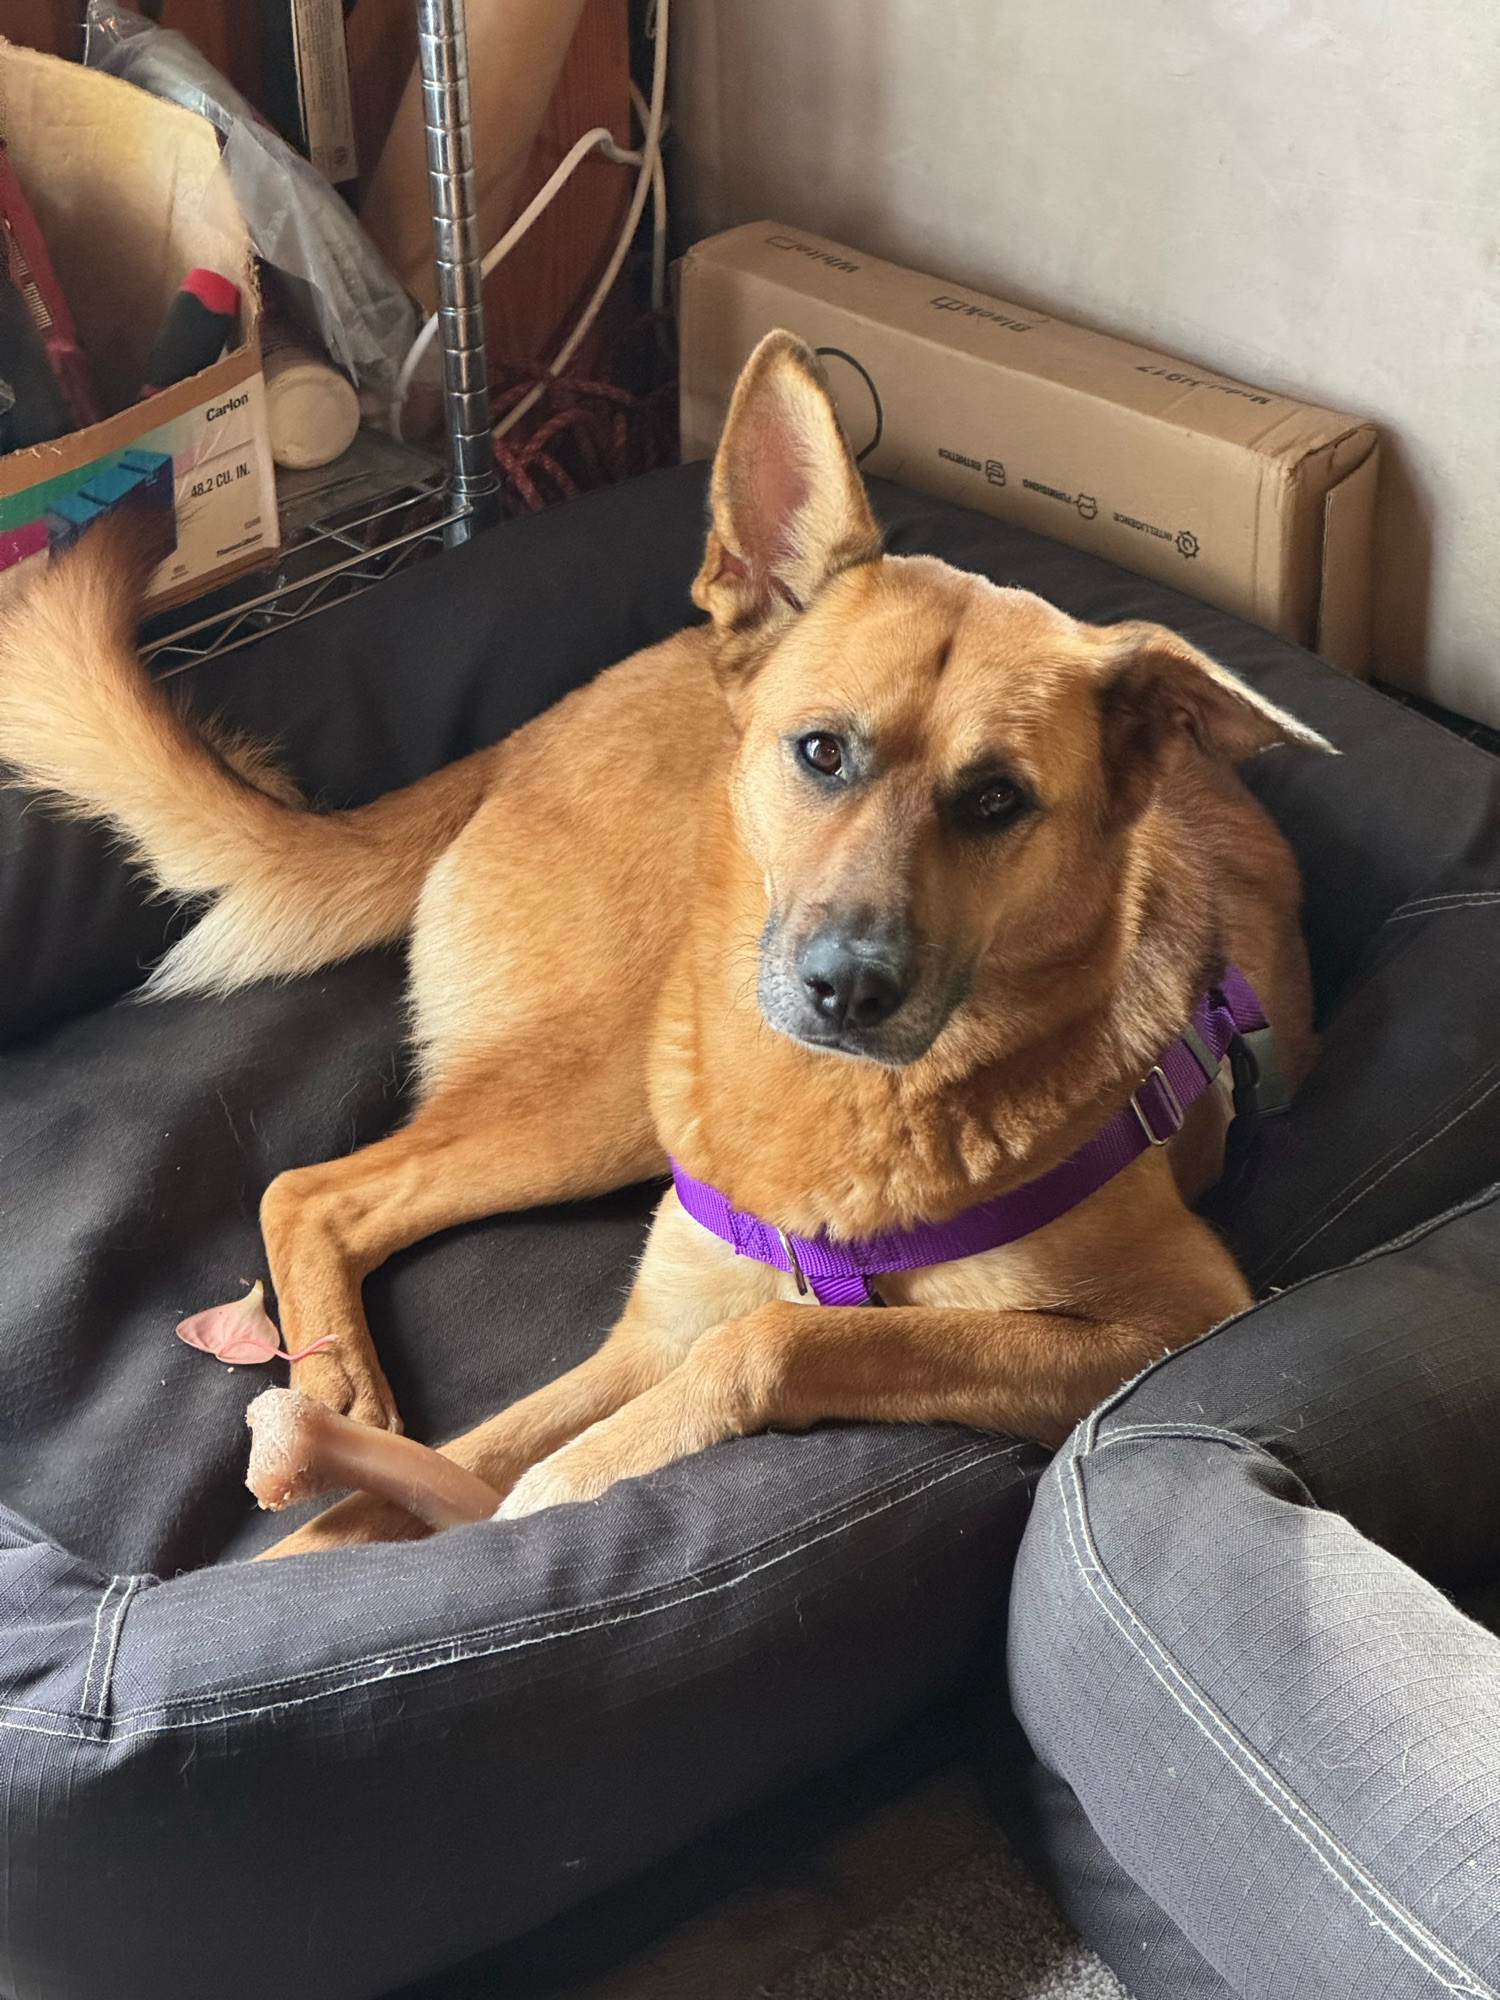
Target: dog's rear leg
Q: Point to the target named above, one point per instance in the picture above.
(512, 1137)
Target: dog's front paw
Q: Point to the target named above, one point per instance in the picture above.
(350, 1383)
(564, 1477)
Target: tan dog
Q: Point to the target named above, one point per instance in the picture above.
(869, 899)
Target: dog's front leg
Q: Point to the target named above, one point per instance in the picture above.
(687, 1284)
(517, 1133)
(499, 1449)
(786, 1366)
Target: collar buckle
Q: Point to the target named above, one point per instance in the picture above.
(1165, 1099)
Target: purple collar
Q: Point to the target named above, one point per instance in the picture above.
(838, 1274)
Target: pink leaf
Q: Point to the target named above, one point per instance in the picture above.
(237, 1333)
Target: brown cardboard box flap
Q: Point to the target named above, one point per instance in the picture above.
(128, 192)
(130, 195)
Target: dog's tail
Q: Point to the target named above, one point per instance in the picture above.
(205, 815)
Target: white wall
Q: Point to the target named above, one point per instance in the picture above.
(1305, 193)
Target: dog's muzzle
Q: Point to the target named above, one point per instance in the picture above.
(851, 986)
(853, 982)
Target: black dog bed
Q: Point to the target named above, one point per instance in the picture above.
(334, 1776)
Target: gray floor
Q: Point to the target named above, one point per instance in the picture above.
(923, 1901)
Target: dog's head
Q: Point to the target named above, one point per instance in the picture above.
(940, 781)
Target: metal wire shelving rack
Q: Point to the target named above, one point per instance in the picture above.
(342, 552)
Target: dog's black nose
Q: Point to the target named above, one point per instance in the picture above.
(854, 982)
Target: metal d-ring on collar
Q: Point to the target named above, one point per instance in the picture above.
(791, 1263)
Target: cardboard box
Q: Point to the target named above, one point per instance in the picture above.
(129, 195)
(1251, 501)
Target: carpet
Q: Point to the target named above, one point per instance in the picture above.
(924, 1900)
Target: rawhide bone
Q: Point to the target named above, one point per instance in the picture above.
(300, 1448)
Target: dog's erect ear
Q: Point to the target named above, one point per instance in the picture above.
(1156, 691)
(789, 506)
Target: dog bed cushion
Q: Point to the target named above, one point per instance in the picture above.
(340, 1774)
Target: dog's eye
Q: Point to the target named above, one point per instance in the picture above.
(994, 804)
(1000, 800)
(823, 754)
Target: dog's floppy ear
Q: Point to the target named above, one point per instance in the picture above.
(1156, 691)
(789, 506)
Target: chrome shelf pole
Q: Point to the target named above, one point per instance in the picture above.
(442, 49)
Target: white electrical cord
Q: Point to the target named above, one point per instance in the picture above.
(600, 136)
(650, 164)
(649, 179)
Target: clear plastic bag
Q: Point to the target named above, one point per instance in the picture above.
(299, 226)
